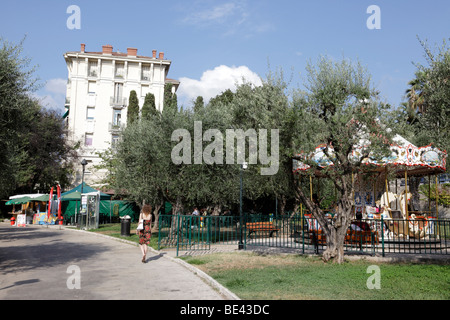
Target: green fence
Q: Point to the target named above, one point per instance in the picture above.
(303, 234)
(197, 232)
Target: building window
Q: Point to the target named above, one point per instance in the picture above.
(88, 139)
(114, 140)
(145, 73)
(117, 117)
(120, 70)
(90, 113)
(92, 69)
(118, 90)
(144, 90)
(88, 166)
(92, 86)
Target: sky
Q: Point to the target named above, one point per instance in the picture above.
(213, 44)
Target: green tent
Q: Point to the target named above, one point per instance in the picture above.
(43, 198)
(20, 200)
(109, 209)
(87, 189)
(67, 196)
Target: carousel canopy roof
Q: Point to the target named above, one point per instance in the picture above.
(404, 156)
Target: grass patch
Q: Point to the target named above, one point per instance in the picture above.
(290, 277)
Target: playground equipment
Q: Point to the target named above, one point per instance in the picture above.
(372, 195)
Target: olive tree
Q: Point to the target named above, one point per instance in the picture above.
(340, 109)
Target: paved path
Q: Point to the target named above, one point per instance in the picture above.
(40, 262)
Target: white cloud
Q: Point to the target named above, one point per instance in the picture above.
(53, 94)
(217, 14)
(57, 86)
(214, 82)
(234, 17)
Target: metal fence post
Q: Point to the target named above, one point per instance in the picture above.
(382, 235)
(178, 233)
(159, 233)
(303, 234)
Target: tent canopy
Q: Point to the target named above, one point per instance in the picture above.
(71, 195)
(21, 200)
(43, 198)
(25, 198)
(75, 193)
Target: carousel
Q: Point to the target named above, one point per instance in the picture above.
(378, 197)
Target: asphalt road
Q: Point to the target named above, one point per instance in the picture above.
(45, 263)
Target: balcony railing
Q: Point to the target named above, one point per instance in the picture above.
(115, 127)
(118, 102)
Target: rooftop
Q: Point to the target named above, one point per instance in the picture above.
(107, 50)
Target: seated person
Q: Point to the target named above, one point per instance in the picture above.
(359, 225)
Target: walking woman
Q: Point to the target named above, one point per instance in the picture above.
(145, 234)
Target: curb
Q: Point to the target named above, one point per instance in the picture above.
(210, 281)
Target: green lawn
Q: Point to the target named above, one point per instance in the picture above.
(293, 277)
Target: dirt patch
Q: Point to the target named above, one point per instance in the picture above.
(242, 261)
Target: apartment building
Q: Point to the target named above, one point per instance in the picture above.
(98, 89)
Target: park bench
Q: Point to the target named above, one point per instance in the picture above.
(360, 233)
(264, 226)
(361, 237)
(353, 237)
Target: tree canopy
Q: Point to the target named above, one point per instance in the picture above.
(149, 107)
(429, 98)
(133, 107)
(35, 153)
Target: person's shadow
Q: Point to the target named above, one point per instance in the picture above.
(155, 257)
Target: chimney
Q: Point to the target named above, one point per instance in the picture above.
(83, 47)
(154, 54)
(107, 49)
(161, 56)
(132, 52)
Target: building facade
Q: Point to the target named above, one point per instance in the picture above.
(98, 89)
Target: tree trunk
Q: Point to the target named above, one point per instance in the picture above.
(174, 227)
(413, 187)
(282, 204)
(335, 244)
(334, 229)
(156, 214)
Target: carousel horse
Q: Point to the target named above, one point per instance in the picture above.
(414, 227)
(417, 226)
(397, 227)
(385, 201)
(403, 199)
